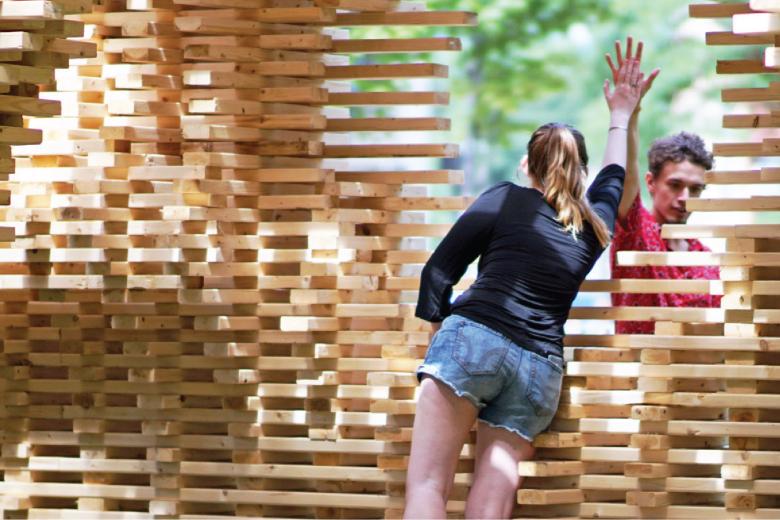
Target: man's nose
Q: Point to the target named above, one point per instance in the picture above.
(685, 194)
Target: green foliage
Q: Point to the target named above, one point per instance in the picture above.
(507, 58)
(533, 61)
(686, 96)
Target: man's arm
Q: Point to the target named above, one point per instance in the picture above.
(631, 183)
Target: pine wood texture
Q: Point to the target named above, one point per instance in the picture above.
(199, 311)
(33, 43)
(208, 304)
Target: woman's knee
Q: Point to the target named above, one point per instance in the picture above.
(488, 502)
(493, 493)
(429, 485)
(527, 451)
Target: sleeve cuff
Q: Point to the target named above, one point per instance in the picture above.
(429, 315)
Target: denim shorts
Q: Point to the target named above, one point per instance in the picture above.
(514, 388)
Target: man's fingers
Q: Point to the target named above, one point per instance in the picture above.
(627, 73)
(640, 75)
(612, 67)
(653, 75)
(629, 47)
(640, 47)
(622, 73)
(619, 52)
(606, 88)
(636, 74)
(648, 83)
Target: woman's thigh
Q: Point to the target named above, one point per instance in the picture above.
(441, 424)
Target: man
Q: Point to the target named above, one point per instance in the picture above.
(677, 165)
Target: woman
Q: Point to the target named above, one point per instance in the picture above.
(497, 356)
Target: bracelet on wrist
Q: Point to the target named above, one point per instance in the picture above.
(618, 128)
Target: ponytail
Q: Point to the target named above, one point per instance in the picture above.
(557, 160)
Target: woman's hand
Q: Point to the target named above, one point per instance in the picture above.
(624, 98)
(647, 82)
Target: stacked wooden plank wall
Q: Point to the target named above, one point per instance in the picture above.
(684, 423)
(33, 43)
(208, 304)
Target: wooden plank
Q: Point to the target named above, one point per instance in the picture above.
(429, 18)
(360, 5)
(389, 71)
(736, 95)
(765, 5)
(387, 124)
(717, 10)
(29, 9)
(756, 23)
(388, 98)
(397, 45)
(696, 258)
(730, 38)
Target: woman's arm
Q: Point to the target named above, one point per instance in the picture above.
(466, 240)
(617, 139)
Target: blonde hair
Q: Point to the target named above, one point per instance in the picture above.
(557, 160)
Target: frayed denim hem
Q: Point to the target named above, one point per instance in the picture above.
(432, 372)
(517, 432)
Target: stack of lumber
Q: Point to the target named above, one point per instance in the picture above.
(684, 423)
(33, 43)
(208, 303)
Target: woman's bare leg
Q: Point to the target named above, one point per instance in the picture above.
(494, 490)
(441, 424)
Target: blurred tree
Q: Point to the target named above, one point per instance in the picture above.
(685, 97)
(507, 62)
(532, 61)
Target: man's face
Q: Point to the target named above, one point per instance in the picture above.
(675, 184)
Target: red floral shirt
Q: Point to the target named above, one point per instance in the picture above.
(640, 232)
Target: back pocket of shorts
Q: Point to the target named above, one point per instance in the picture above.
(479, 351)
(544, 385)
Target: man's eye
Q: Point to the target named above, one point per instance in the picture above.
(696, 190)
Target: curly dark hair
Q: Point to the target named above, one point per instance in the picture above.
(678, 148)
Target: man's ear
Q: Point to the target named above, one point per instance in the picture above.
(524, 165)
(650, 180)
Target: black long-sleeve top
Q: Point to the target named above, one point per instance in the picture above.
(530, 268)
